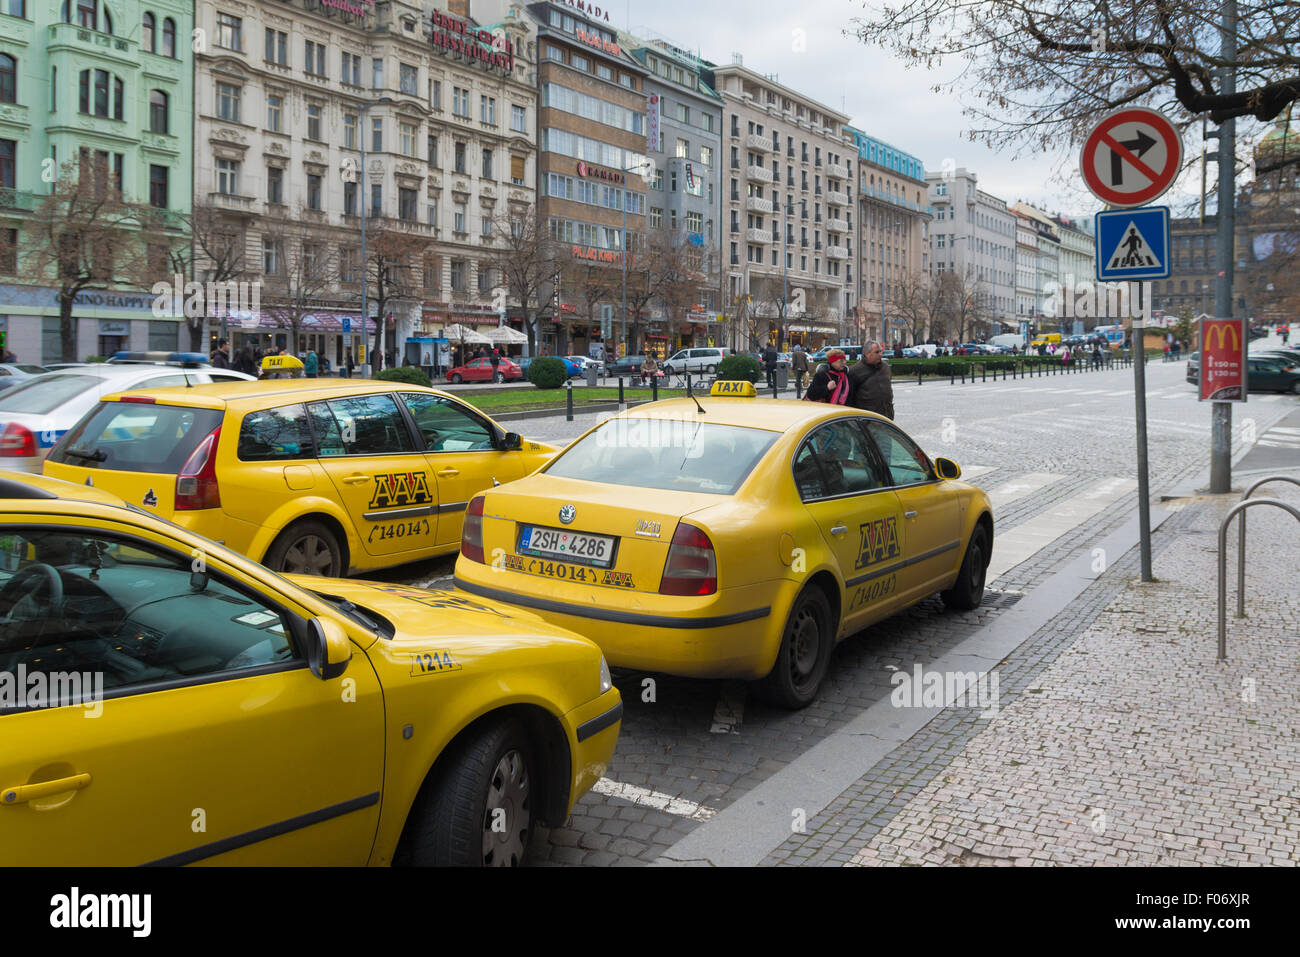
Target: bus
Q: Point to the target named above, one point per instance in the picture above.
(1114, 335)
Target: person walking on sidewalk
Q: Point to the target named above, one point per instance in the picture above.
(770, 359)
(831, 382)
(870, 382)
(799, 363)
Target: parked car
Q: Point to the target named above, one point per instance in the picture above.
(1273, 374)
(585, 362)
(695, 360)
(12, 374)
(628, 365)
(481, 370)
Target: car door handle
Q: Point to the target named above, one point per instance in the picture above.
(33, 792)
(839, 529)
(356, 479)
(447, 473)
(909, 515)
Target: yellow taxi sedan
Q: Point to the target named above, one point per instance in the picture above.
(164, 700)
(731, 536)
(304, 475)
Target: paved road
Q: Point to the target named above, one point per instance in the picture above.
(1056, 454)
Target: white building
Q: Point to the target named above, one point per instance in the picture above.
(973, 234)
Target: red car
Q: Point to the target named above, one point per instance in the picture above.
(480, 370)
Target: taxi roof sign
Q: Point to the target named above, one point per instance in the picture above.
(738, 389)
(281, 363)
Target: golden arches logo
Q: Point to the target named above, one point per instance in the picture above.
(1222, 330)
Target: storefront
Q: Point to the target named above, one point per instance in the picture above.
(329, 334)
(105, 322)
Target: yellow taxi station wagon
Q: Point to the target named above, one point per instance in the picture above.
(304, 476)
(731, 536)
(164, 700)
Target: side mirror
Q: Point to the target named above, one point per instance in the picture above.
(947, 469)
(328, 649)
(512, 442)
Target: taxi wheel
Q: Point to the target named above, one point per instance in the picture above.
(478, 812)
(968, 591)
(805, 653)
(306, 548)
(456, 378)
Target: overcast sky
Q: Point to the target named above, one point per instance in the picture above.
(880, 95)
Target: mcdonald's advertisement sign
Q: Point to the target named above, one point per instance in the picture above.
(1223, 360)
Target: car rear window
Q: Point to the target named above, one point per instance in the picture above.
(663, 454)
(136, 437)
(47, 393)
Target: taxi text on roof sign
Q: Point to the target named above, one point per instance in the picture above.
(280, 363)
(739, 389)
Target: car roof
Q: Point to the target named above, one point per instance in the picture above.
(773, 415)
(26, 486)
(259, 394)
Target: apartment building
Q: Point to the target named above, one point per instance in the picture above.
(1047, 239)
(974, 236)
(787, 207)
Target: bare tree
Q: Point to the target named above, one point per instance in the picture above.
(85, 235)
(588, 285)
(917, 300)
(1039, 73)
(961, 303)
(217, 255)
(305, 269)
(392, 253)
(676, 268)
(523, 255)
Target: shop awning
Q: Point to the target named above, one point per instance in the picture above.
(308, 322)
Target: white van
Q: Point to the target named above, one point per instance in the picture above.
(695, 360)
(1007, 340)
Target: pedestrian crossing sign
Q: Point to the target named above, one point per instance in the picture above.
(1133, 243)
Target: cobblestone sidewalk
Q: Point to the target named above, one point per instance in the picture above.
(1129, 745)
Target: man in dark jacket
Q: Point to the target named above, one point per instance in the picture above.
(770, 359)
(221, 358)
(870, 381)
(799, 364)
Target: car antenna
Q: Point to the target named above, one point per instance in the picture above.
(697, 403)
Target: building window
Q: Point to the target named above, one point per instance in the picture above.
(488, 110)
(350, 131)
(272, 256)
(656, 217)
(377, 73)
(433, 152)
(230, 32)
(158, 112)
(313, 121)
(435, 94)
(313, 191)
(460, 102)
(458, 275)
(349, 199)
(407, 204)
(8, 163)
(407, 131)
(459, 219)
(484, 280)
(228, 102)
(683, 149)
(277, 47)
(517, 166)
(148, 31)
(376, 134)
(169, 38)
(8, 79)
(485, 223)
(408, 79)
(460, 157)
(315, 60)
(351, 69)
(376, 199)
(519, 119)
(431, 211)
(228, 177)
(275, 185)
(487, 164)
(580, 63)
(274, 111)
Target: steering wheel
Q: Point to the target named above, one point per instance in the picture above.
(12, 592)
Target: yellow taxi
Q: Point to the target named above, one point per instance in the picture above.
(731, 536)
(308, 476)
(164, 700)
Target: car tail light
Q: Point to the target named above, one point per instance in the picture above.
(691, 568)
(17, 442)
(196, 484)
(471, 535)
(141, 399)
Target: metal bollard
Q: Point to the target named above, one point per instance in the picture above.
(621, 401)
(984, 373)
(918, 373)
(568, 401)
(654, 388)
(963, 375)
(688, 384)
(952, 374)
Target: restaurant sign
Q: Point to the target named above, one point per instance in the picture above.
(492, 49)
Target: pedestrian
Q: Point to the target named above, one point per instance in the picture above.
(496, 362)
(245, 361)
(311, 364)
(870, 381)
(831, 384)
(221, 357)
(770, 359)
(799, 363)
(1177, 349)
(349, 364)
(1166, 351)
(10, 356)
(649, 369)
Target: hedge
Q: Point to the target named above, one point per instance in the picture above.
(411, 375)
(739, 369)
(548, 372)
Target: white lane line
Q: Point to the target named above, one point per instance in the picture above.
(654, 799)
(1019, 487)
(969, 472)
(729, 712)
(1012, 547)
(1284, 430)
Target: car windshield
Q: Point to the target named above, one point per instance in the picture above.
(665, 454)
(45, 394)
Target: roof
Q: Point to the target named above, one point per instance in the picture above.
(775, 415)
(255, 394)
(24, 486)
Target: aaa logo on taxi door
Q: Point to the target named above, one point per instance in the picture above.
(394, 490)
(879, 541)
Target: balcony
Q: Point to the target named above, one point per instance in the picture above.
(756, 142)
(756, 204)
(231, 202)
(758, 236)
(759, 173)
(836, 252)
(837, 225)
(16, 199)
(837, 171)
(82, 41)
(837, 199)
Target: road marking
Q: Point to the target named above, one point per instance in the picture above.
(1283, 429)
(654, 799)
(730, 709)
(975, 471)
(1012, 547)
(1019, 487)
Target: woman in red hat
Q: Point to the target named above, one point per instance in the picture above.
(831, 383)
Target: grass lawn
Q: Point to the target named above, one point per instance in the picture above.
(521, 400)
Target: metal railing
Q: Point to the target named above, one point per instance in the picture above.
(1245, 503)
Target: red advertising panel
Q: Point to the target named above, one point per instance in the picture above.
(1223, 360)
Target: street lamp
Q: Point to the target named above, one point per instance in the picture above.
(639, 167)
(365, 305)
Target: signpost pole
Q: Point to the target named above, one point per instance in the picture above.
(1140, 402)
(1221, 420)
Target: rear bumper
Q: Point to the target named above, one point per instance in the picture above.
(734, 634)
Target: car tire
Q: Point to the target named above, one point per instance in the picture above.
(454, 820)
(307, 548)
(498, 377)
(967, 592)
(668, 370)
(804, 655)
(456, 378)
(1295, 387)
(710, 370)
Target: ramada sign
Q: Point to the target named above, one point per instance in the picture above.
(590, 9)
(594, 172)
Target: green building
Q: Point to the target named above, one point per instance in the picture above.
(106, 82)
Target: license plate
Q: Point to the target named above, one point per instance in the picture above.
(576, 547)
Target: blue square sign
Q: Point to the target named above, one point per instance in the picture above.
(1133, 243)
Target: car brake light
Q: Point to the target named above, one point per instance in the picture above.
(17, 442)
(196, 484)
(471, 535)
(142, 399)
(691, 568)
